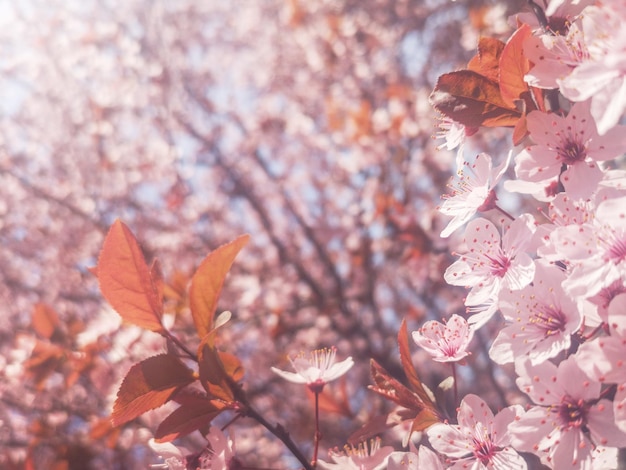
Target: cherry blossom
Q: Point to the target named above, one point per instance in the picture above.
(601, 75)
(562, 211)
(316, 370)
(445, 342)
(492, 262)
(554, 57)
(603, 359)
(586, 63)
(174, 457)
(559, 14)
(595, 251)
(480, 440)
(473, 192)
(219, 454)
(361, 457)
(417, 459)
(571, 142)
(541, 319)
(569, 418)
(221, 451)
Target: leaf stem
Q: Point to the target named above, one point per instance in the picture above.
(180, 344)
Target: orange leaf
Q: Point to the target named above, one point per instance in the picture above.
(487, 61)
(126, 282)
(513, 66)
(45, 320)
(407, 366)
(392, 389)
(213, 374)
(148, 385)
(232, 366)
(196, 411)
(207, 283)
(472, 100)
(45, 359)
(520, 131)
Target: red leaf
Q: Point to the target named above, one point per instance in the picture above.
(520, 131)
(473, 100)
(196, 412)
(424, 412)
(45, 359)
(375, 426)
(126, 281)
(148, 385)
(45, 320)
(214, 376)
(207, 283)
(513, 66)
(407, 366)
(392, 389)
(487, 61)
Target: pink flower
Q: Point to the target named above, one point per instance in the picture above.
(554, 57)
(420, 459)
(219, 454)
(601, 74)
(361, 457)
(493, 262)
(587, 63)
(453, 132)
(173, 457)
(221, 451)
(559, 13)
(569, 419)
(473, 192)
(480, 440)
(316, 370)
(572, 143)
(445, 342)
(595, 252)
(541, 319)
(604, 358)
(563, 211)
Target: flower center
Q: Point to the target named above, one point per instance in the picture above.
(571, 152)
(573, 413)
(549, 319)
(617, 252)
(499, 264)
(484, 450)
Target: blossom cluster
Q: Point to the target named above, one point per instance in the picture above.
(558, 277)
(555, 279)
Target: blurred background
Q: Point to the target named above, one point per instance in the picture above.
(303, 123)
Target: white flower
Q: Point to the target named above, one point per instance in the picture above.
(173, 457)
(358, 458)
(472, 192)
(316, 370)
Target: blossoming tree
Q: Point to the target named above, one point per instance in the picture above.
(515, 305)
